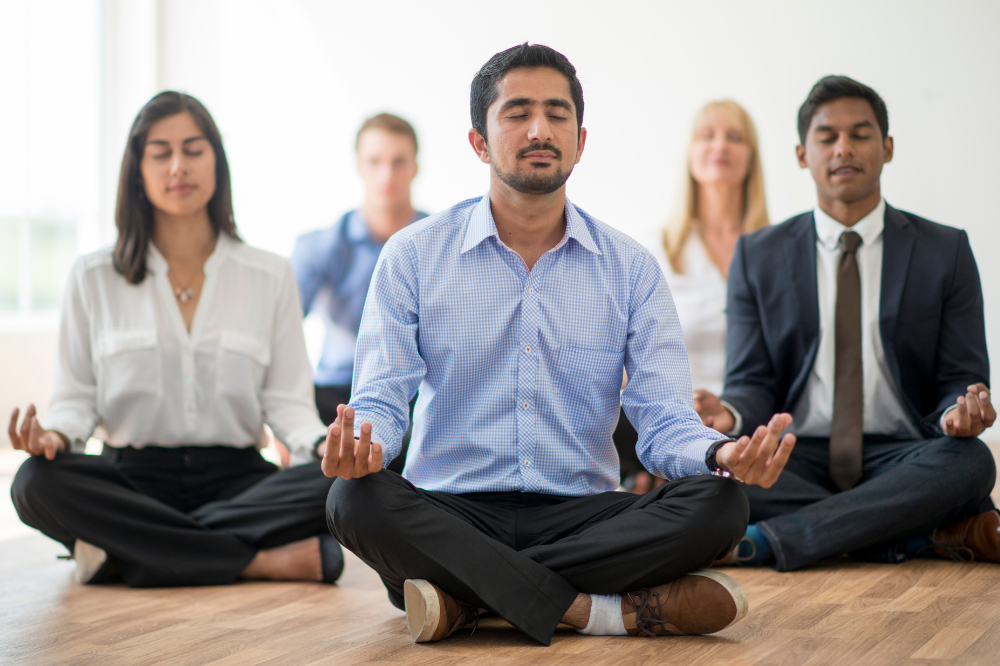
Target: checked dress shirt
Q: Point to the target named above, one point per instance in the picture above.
(519, 371)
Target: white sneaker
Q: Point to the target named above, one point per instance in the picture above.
(89, 561)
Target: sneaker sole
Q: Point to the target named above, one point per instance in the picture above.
(732, 587)
(423, 609)
(89, 560)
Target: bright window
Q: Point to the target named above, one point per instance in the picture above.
(50, 76)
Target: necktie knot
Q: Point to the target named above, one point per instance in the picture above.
(851, 240)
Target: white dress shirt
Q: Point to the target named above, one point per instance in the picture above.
(700, 298)
(884, 411)
(127, 361)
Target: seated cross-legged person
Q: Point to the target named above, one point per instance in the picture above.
(870, 331)
(515, 314)
(181, 342)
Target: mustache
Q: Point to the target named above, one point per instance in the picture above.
(540, 146)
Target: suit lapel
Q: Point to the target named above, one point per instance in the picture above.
(800, 256)
(898, 239)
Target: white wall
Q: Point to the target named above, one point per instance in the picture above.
(290, 81)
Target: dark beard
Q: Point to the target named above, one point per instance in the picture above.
(534, 182)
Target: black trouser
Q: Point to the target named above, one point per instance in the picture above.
(908, 489)
(172, 516)
(329, 397)
(526, 556)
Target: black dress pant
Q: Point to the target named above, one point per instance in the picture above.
(328, 398)
(172, 516)
(526, 556)
(908, 489)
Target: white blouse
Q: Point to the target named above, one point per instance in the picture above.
(700, 298)
(127, 361)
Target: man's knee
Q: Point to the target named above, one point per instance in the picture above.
(975, 459)
(718, 508)
(354, 506)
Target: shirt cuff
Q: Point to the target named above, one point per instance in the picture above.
(378, 437)
(737, 420)
(944, 414)
(693, 457)
(77, 436)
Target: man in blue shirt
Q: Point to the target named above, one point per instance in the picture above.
(334, 266)
(515, 314)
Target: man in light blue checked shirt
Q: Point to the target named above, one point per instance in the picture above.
(515, 314)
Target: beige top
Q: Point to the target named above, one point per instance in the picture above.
(700, 298)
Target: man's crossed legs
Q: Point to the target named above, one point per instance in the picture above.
(527, 557)
(910, 496)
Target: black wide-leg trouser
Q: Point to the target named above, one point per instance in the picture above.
(172, 516)
(907, 489)
(526, 556)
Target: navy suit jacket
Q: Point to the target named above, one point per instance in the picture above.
(930, 317)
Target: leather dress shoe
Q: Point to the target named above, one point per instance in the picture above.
(975, 538)
(432, 614)
(702, 602)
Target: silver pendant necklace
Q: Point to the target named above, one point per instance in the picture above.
(184, 293)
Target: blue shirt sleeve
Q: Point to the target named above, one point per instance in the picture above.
(388, 367)
(311, 261)
(658, 397)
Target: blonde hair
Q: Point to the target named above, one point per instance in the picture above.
(678, 228)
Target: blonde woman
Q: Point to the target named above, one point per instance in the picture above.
(722, 197)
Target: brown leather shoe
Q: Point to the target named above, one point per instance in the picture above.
(432, 614)
(701, 602)
(975, 538)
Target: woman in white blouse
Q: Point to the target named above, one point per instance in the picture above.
(181, 342)
(722, 197)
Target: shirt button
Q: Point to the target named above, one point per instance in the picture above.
(531, 290)
(526, 405)
(527, 350)
(527, 463)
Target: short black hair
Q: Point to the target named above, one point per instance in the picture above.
(484, 84)
(830, 88)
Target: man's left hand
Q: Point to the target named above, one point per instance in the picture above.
(758, 460)
(973, 415)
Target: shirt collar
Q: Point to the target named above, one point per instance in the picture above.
(357, 228)
(481, 226)
(828, 230)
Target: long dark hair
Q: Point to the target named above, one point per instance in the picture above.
(134, 214)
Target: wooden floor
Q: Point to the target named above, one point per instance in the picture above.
(922, 612)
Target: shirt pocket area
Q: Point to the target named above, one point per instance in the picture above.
(591, 382)
(243, 363)
(129, 366)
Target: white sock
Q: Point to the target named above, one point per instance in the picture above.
(605, 616)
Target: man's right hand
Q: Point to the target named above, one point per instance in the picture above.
(712, 412)
(345, 456)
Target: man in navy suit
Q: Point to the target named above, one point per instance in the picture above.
(866, 324)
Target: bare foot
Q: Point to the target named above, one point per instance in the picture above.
(299, 560)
